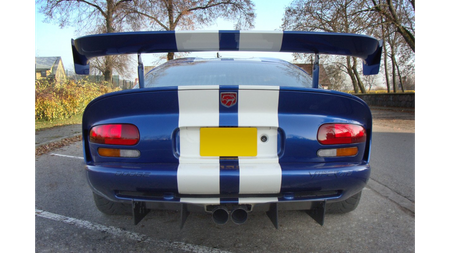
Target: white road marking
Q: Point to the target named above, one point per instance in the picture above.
(68, 156)
(122, 233)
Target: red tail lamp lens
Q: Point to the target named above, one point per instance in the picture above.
(115, 134)
(331, 134)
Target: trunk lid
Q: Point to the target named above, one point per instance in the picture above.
(283, 122)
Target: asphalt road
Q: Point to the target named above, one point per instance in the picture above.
(66, 219)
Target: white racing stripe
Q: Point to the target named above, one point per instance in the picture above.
(201, 201)
(197, 107)
(257, 107)
(256, 200)
(254, 40)
(114, 231)
(199, 178)
(260, 178)
(201, 41)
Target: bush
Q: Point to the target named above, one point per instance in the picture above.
(61, 101)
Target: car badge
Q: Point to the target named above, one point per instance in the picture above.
(228, 99)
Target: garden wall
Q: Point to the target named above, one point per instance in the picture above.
(400, 100)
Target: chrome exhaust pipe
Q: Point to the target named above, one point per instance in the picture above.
(239, 215)
(220, 215)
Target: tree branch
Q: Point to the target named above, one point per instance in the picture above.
(91, 4)
(153, 18)
(119, 3)
(207, 6)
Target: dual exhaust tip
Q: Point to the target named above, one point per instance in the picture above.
(221, 215)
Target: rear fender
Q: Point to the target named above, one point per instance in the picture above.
(302, 112)
(153, 111)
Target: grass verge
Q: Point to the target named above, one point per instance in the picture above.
(43, 124)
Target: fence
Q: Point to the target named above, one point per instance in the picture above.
(116, 81)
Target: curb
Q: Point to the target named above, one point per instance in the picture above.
(56, 140)
(392, 196)
(51, 145)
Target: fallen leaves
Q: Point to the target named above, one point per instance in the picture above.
(44, 149)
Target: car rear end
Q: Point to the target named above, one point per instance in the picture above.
(227, 149)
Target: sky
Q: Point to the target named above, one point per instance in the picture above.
(51, 40)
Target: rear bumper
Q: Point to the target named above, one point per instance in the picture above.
(156, 184)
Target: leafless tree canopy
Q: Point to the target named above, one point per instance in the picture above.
(169, 15)
(188, 14)
(94, 16)
(389, 20)
(88, 15)
(107, 16)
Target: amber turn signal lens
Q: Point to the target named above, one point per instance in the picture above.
(338, 152)
(347, 151)
(115, 152)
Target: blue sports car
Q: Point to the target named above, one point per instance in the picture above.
(227, 136)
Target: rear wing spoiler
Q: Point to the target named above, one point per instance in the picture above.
(361, 46)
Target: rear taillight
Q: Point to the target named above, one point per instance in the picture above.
(115, 134)
(331, 134)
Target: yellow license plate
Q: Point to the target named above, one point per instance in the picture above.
(228, 141)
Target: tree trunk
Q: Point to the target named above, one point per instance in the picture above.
(394, 72)
(109, 29)
(170, 56)
(172, 25)
(352, 76)
(360, 82)
(400, 79)
(394, 82)
(386, 72)
(108, 69)
(407, 35)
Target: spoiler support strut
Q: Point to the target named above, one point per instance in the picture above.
(140, 72)
(315, 72)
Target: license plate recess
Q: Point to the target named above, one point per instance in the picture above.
(228, 141)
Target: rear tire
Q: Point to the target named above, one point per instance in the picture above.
(111, 208)
(344, 206)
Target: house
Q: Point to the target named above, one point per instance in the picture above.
(323, 77)
(51, 68)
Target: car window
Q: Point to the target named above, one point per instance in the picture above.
(227, 72)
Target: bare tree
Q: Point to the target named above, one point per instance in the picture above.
(193, 14)
(337, 77)
(400, 14)
(398, 53)
(390, 20)
(93, 16)
(386, 71)
(331, 16)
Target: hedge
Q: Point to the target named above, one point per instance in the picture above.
(61, 101)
